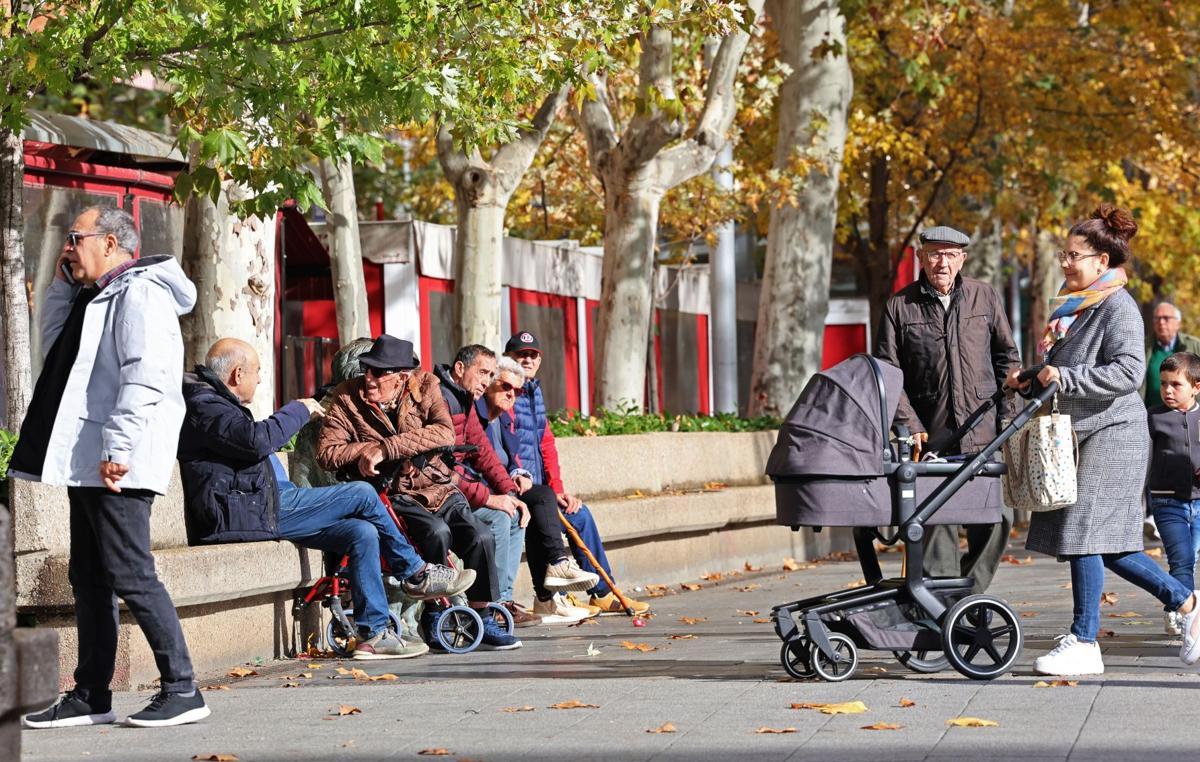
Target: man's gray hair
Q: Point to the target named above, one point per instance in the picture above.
(1178, 313)
(224, 356)
(507, 364)
(119, 224)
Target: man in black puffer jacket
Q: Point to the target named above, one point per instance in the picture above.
(235, 490)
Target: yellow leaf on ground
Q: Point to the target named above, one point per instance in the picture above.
(882, 726)
(386, 677)
(346, 709)
(1125, 615)
(574, 704)
(1154, 552)
(846, 707)
(435, 752)
(216, 757)
(747, 612)
(762, 621)
(765, 729)
(682, 637)
(712, 576)
(693, 619)
(906, 703)
(515, 709)
(687, 586)
(972, 722)
(664, 728)
(1109, 599)
(643, 647)
(241, 672)
(790, 564)
(360, 674)
(1056, 684)
(314, 666)
(750, 568)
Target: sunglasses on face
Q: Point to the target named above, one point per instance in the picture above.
(504, 386)
(527, 354)
(380, 373)
(74, 237)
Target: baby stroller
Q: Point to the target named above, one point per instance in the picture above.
(833, 465)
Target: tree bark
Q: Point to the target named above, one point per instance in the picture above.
(482, 190)
(795, 288)
(637, 168)
(345, 250)
(1045, 279)
(232, 263)
(986, 258)
(13, 290)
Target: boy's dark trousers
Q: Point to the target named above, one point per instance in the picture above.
(110, 558)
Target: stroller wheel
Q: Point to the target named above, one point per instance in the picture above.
(342, 640)
(918, 661)
(828, 669)
(794, 658)
(502, 616)
(459, 629)
(981, 636)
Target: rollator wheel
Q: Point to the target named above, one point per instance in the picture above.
(828, 669)
(919, 661)
(342, 642)
(982, 637)
(501, 616)
(459, 629)
(794, 658)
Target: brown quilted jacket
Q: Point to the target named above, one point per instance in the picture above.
(352, 423)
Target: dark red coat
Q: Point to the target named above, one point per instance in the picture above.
(480, 473)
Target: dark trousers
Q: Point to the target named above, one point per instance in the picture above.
(985, 548)
(543, 536)
(455, 528)
(110, 558)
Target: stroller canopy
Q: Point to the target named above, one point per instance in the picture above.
(838, 427)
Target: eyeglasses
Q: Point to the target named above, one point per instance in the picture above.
(946, 254)
(74, 237)
(527, 354)
(1065, 257)
(504, 386)
(383, 373)
(1164, 318)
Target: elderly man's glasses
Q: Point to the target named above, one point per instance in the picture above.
(506, 387)
(383, 372)
(74, 237)
(944, 254)
(1071, 257)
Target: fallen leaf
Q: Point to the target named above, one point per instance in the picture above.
(306, 675)
(1028, 614)
(666, 727)
(1008, 558)
(856, 583)
(906, 703)
(290, 685)
(437, 752)
(846, 707)
(643, 647)
(343, 671)
(762, 621)
(790, 564)
(574, 704)
(712, 576)
(972, 722)
(592, 650)
(348, 744)
(1066, 586)
(693, 619)
(346, 709)
(688, 636)
(1154, 552)
(359, 674)
(385, 677)
(1056, 684)
(216, 757)
(747, 588)
(215, 688)
(1107, 634)
(687, 586)
(515, 709)
(765, 729)
(750, 568)
(315, 666)
(241, 672)
(657, 588)
(1109, 599)
(1125, 615)
(583, 622)
(747, 612)
(882, 726)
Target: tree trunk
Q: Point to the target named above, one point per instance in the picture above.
(795, 288)
(986, 258)
(345, 250)
(13, 290)
(232, 263)
(626, 294)
(478, 254)
(1045, 279)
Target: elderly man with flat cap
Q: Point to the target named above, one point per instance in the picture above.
(950, 336)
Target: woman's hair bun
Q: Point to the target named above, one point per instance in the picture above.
(1119, 221)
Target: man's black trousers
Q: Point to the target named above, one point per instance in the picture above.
(453, 527)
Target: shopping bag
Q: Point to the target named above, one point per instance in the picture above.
(1042, 459)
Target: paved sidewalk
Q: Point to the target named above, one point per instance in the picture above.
(716, 683)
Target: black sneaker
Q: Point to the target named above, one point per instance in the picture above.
(75, 708)
(167, 709)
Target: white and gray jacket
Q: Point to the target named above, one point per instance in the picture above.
(123, 401)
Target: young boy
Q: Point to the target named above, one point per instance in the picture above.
(1175, 468)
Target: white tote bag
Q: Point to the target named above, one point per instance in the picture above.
(1042, 459)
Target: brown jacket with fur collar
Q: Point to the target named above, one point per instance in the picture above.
(421, 422)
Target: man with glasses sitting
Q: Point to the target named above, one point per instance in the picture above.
(950, 336)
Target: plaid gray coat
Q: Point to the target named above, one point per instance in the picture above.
(1102, 361)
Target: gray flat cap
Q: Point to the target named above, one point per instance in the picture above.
(944, 234)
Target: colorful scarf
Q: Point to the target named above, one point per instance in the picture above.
(1065, 308)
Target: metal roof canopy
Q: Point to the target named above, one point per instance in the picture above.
(77, 132)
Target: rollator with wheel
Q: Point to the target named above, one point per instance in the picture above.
(834, 464)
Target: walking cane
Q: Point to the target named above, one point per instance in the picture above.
(575, 538)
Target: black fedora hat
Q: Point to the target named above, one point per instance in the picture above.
(389, 353)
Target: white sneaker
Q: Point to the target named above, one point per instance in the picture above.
(1172, 621)
(1190, 624)
(1071, 657)
(566, 575)
(554, 611)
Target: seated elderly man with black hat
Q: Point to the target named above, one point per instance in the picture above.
(375, 427)
(950, 336)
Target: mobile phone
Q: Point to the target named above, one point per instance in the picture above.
(66, 271)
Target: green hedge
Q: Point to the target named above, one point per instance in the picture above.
(604, 422)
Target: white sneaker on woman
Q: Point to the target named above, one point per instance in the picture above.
(1171, 623)
(1071, 657)
(1190, 650)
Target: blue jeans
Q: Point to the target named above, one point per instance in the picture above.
(510, 539)
(1087, 585)
(1178, 524)
(585, 525)
(351, 519)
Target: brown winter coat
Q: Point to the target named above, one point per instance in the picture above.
(352, 423)
(952, 359)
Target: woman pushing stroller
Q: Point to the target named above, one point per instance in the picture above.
(1093, 349)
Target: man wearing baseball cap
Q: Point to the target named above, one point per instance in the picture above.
(950, 336)
(538, 455)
